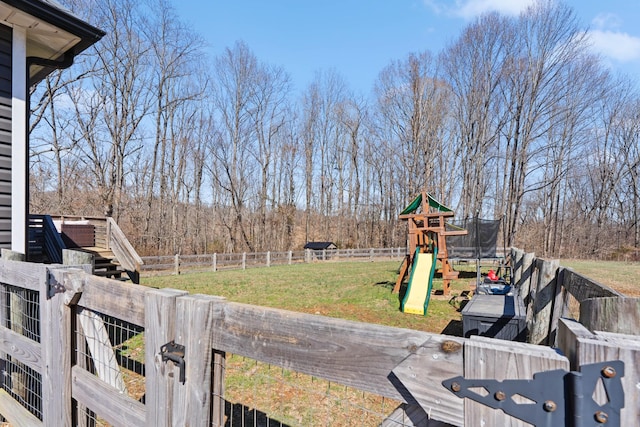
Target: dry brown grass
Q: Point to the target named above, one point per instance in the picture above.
(622, 276)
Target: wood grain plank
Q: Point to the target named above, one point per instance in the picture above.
(194, 327)
(560, 307)
(582, 287)
(545, 295)
(116, 408)
(410, 415)
(101, 349)
(422, 373)
(15, 413)
(569, 331)
(354, 354)
(56, 341)
(599, 350)
(160, 314)
(612, 314)
(517, 256)
(218, 389)
(114, 298)
(21, 348)
(486, 358)
(22, 274)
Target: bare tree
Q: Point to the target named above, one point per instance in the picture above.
(269, 102)
(548, 39)
(110, 105)
(235, 72)
(176, 53)
(473, 67)
(407, 104)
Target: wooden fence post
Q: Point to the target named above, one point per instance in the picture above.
(526, 276)
(371, 254)
(289, 257)
(214, 262)
(560, 306)
(324, 254)
(194, 329)
(217, 386)
(56, 341)
(176, 263)
(160, 377)
(612, 314)
(516, 265)
(78, 258)
(585, 347)
(218, 377)
(307, 255)
(268, 258)
(545, 295)
(244, 260)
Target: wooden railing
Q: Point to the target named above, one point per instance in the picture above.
(107, 235)
(45, 237)
(405, 365)
(123, 250)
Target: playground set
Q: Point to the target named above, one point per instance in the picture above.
(427, 245)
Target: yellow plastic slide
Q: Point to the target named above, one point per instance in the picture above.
(416, 299)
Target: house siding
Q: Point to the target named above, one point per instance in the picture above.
(5, 136)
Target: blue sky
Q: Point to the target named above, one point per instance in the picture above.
(358, 38)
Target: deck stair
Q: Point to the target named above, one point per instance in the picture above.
(105, 263)
(110, 252)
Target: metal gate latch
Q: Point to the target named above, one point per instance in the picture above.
(553, 398)
(175, 353)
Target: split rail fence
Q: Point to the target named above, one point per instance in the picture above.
(177, 264)
(80, 350)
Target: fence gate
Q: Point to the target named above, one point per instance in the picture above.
(80, 350)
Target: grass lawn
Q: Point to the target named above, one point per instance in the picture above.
(622, 276)
(349, 290)
(362, 290)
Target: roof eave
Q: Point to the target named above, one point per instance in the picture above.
(47, 12)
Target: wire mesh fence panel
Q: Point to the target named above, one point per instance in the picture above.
(23, 384)
(20, 310)
(113, 350)
(261, 395)
(87, 418)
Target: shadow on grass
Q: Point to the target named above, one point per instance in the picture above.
(238, 414)
(390, 285)
(467, 274)
(454, 327)
(386, 284)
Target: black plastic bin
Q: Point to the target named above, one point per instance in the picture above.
(495, 316)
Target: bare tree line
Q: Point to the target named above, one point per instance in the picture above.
(515, 119)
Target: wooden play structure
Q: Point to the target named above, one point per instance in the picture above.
(427, 233)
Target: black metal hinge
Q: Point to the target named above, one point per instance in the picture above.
(552, 398)
(175, 353)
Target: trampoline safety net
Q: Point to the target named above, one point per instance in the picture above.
(479, 242)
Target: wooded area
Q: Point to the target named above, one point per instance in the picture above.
(515, 119)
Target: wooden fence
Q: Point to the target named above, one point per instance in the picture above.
(178, 264)
(64, 366)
